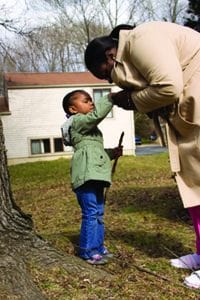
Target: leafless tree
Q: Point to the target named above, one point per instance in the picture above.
(167, 10)
(60, 44)
(175, 10)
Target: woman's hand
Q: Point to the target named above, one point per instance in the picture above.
(123, 100)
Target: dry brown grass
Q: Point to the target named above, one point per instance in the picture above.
(144, 221)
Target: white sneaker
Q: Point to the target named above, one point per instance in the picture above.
(190, 261)
(193, 281)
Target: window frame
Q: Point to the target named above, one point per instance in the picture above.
(51, 145)
(57, 138)
(42, 146)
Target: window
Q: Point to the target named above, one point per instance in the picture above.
(98, 93)
(40, 146)
(58, 145)
(44, 146)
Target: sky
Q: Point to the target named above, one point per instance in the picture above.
(26, 14)
(12, 8)
(23, 11)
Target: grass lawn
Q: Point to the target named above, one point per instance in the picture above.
(146, 225)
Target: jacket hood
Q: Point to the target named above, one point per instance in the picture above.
(65, 130)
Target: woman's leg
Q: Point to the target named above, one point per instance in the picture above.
(87, 199)
(191, 261)
(195, 215)
(193, 280)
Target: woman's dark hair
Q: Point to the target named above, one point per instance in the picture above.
(115, 32)
(95, 51)
(68, 100)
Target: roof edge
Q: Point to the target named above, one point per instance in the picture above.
(14, 87)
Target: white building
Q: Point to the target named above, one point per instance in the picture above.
(32, 114)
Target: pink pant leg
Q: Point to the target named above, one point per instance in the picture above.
(195, 215)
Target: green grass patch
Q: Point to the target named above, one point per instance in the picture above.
(144, 219)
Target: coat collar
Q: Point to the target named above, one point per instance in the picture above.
(119, 60)
(123, 37)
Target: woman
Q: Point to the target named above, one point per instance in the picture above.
(157, 64)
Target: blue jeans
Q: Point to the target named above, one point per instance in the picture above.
(91, 200)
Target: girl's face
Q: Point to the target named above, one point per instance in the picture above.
(82, 103)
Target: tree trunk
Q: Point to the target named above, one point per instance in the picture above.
(20, 246)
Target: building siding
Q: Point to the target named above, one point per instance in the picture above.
(37, 113)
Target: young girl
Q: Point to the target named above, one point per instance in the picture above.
(90, 168)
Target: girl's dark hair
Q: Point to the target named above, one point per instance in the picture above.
(95, 51)
(68, 100)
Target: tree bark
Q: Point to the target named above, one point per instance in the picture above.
(20, 246)
(12, 219)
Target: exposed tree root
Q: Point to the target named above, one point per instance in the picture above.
(16, 256)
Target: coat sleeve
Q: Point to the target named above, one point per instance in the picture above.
(84, 123)
(156, 59)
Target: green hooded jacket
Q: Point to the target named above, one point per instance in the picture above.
(90, 160)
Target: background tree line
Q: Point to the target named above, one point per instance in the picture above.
(56, 40)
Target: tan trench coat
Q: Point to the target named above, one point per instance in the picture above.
(160, 62)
